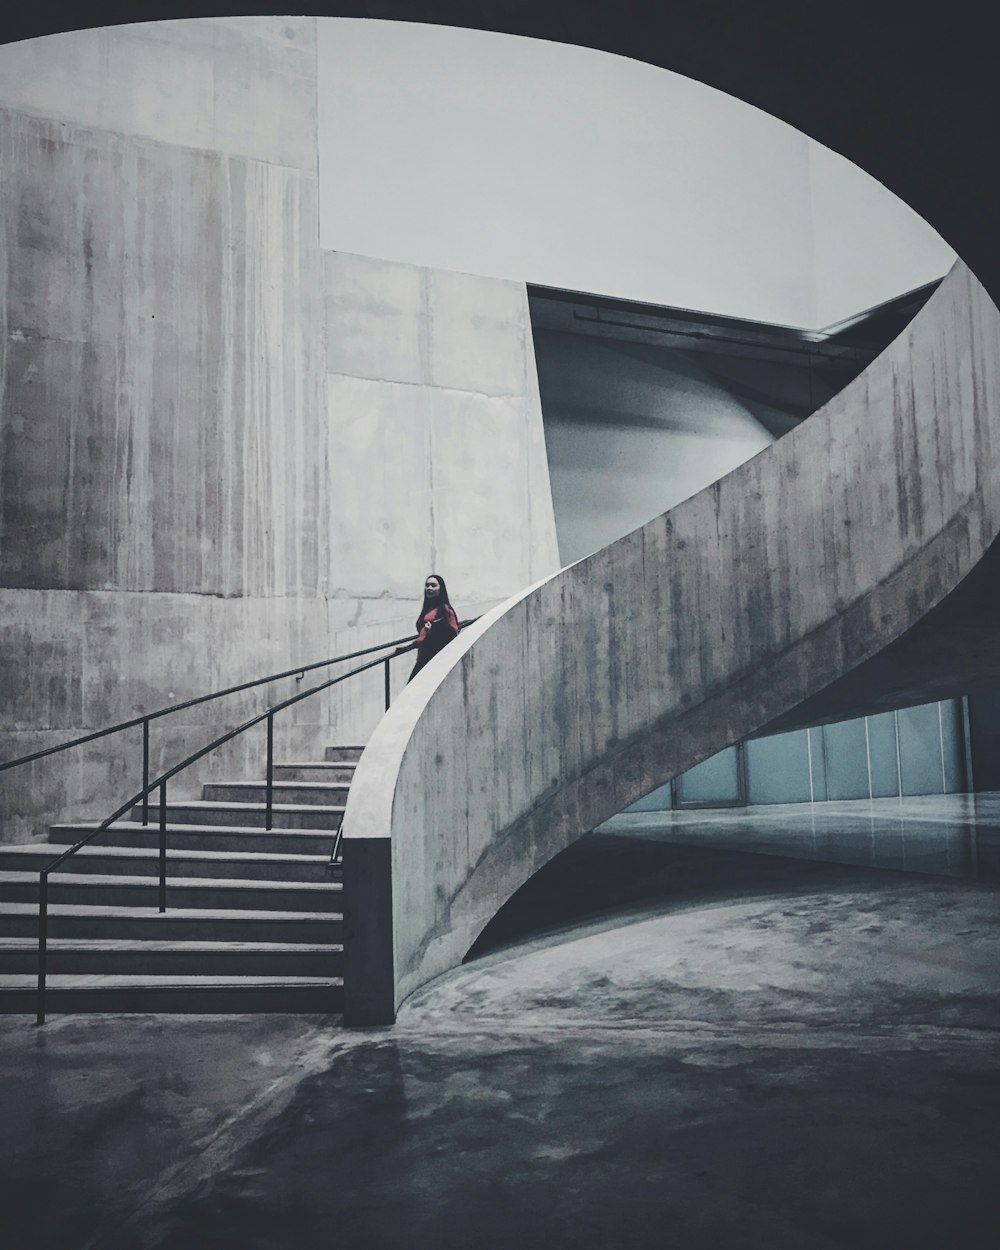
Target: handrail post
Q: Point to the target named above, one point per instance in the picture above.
(43, 942)
(387, 699)
(163, 846)
(145, 771)
(269, 795)
(335, 853)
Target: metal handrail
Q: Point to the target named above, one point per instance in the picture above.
(335, 849)
(147, 717)
(402, 645)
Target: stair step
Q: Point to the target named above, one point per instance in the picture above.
(249, 815)
(284, 793)
(158, 958)
(181, 835)
(253, 920)
(197, 924)
(349, 755)
(174, 994)
(338, 771)
(118, 890)
(143, 861)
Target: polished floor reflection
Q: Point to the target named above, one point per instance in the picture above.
(952, 835)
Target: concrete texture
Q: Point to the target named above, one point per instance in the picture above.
(164, 518)
(94, 658)
(584, 693)
(716, 1049)
(213, 453)
(438, 451)
(146, 302)
(249, 86)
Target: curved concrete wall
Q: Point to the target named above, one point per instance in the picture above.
(611, 677)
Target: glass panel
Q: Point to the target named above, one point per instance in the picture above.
(778, 768)
(817, 762)
(954, 746)
(658, 800)
(715, 780)
(882, 753)
(846, 760)
(920, 749)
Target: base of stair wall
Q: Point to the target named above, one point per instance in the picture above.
(369, 963)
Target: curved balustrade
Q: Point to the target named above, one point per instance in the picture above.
(583, 693)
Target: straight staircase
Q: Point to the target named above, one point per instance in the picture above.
(254, 921)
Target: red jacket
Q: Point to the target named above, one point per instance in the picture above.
(446, 631)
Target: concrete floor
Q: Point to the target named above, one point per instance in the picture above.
(952, 835)
(717, 1049)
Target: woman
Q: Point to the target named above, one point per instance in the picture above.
(437, 623)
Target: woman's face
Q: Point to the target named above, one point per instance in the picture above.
(432, 588)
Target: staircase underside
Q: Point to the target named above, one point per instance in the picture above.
(950, 652)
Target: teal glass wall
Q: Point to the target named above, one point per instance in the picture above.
(917, 750)
(778, 769)
(659, 800)
(714, 781)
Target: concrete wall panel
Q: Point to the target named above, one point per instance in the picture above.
(376, 318)
(151, 312)
(381, 513)
(470, 317)
(74, 662)
(42, 663)
(241, 86)
(437, 440)
(478, 461)
(400, 323)
(439, 479)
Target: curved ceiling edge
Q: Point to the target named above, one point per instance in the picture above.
(912, 102)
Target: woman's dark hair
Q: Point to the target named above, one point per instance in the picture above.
(434, 603)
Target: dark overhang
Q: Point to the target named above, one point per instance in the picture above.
(909, 93)
(852, 343)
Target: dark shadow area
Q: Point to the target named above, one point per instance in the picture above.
(604, 875)
(782, 374)
(711, 854)
(281, 1191)
(514, 1145)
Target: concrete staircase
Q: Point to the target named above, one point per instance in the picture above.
(253, 922)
